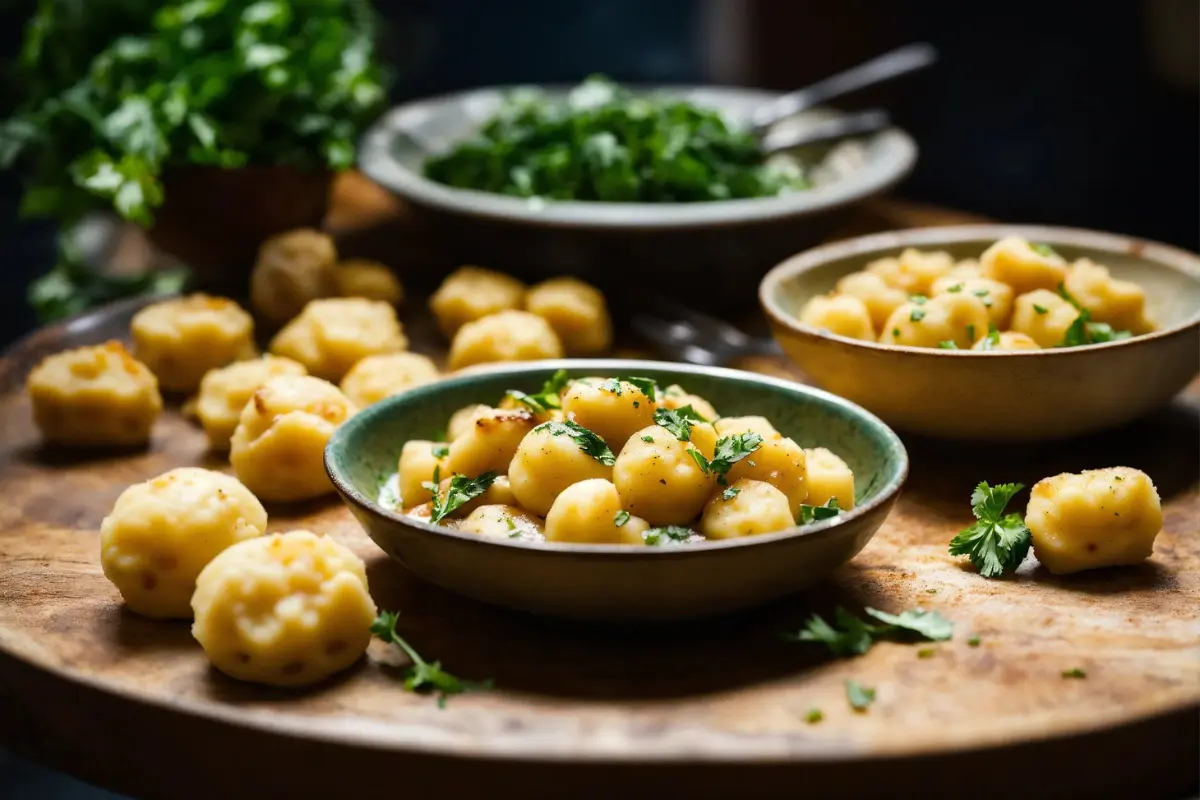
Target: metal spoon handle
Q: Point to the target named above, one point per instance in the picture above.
(902, 61)
(827, 130)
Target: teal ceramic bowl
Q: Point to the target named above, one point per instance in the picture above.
(621, 583)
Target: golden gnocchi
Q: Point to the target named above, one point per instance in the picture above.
(224, 392)
(379, 376)
(576, 311)
(369, 279)
(504, 336)
(331, 336)
(293, 269)
(182, 339)
(472, 293)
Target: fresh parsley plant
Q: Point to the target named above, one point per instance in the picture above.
(423, 676)
(997, 542)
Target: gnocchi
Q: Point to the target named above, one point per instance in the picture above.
(182, 339)
(293, 269)
(289, 609)
(472, 293)
(840, 314)
(504, 336)
(224, 392)
(369, 279)
(331, 336)
(577, 313)
(379, 376)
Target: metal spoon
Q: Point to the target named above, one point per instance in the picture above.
(827, 130)
(902, 61)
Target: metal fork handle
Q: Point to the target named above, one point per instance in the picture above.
(826, 131)
(901, 61)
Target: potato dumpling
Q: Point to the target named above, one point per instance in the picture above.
(504, 336)
(613, 409)
(181, 339)
(1099, 518)
(490, 442)
(840, 314)
(1014, 261)
(757, 507)
(880, 297)
(331, 336)
(780, 462)
(161, 533)
(357, 277)
(498, 493)
(94, 396)
(224, 392)
(292, 269)
(952, 317)
(967, 268)
(471, 293)
(1043, 316)
(289, 609)
(731, 426)
(913, 271)
(1122, 304)
(1007, 340)
(659, 480)
(278, 448)
(590, 512)
(462, 419)
(996, 297)
(379, 376)
(828, 476)
(577, 313)
(503, 522)
(418, 461)
(674, 397)
(545, 464)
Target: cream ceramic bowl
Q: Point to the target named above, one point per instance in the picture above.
(1031, 395)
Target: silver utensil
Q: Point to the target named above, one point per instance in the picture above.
(684, 334)
(828, 130)
(902, 61)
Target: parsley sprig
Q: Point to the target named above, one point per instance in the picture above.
(588, 441)
(461, 490)
(423, 676)
(548, 398)
(678, 421)
(851, 636)
(729, 451)
(809, 514)
(1082, 331)
(997, 542)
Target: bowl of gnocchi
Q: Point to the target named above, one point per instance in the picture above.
(992, 332)
(618, 490)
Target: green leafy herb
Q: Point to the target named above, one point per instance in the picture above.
(508, 521)
(958, 287)
(423, 676)
(461, 490)
(1100, 332)
(671, 534)
(919, 299)
(992, 340)
(1077, 334)
(678, 421)
(612, 385)
(440, 450)
(71, 287)
(1043, 249)
(606, 142)
(852, 636)
(620, 518)
(548, 398)
(926, 652)
(973, 641)
(813, 716)
(730, 493)
(997, 542)
(1040, 309)
(1065, 295)
(859, 696)
(949, 344)
(1074, 673)
(981, 292)
(730, 450)
(648, 439)
(809, 514)
(896, 332)
(588, 441)
(647, 386)
(971, 332)
(930, 624)
(917, 314)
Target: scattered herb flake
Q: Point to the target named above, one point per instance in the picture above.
(440, 450)
(1074, 673)
(422, 676)
(813, 716)
(548, 398)
(461, 490)
(859, 696)
(620, 518)
(930, 624)
(896, 332)
(1040, 309)
(1043, 249)
(997, 542)
(958, 287)
(678, 421)
(973, 641)
(648, 439)
(949, 344)
(588, 441)
(926, 652)
(851, 636)
(671, 534)
(919, 299)
(809, 514)
(917, 314)
(732, 449)
(512, 526)
(971, 332)
(730, 493)
(647, 386)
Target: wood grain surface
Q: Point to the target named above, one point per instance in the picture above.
(710, 709)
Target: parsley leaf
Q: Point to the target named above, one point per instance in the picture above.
(548, 398)
(1076, 334)
(1074, 673)
(949, 344)
(958, 287)
(461, 490)
(440, 450)
(647, 386)
(992, 340)
(854, 637)
(1099, 332)
(971, 332)
(813, 716)
(730, 493)
(648, 439)
(930, 624)
(423, 676)
(809, 514)
(588, 441)
(858, 695)
(1040, 309)
(678, 421)
(612, 385)
(1043, 249)
(998, 542)
(620, 518)
(917, 314)
(671, 534)
(730, 450)
(1083, 331)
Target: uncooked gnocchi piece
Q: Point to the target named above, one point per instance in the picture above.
(358, 277)
(331, 336)
(1044, 317)
(880, 297)
(278, 448)
(293, 269)
(828, 476)
(1121, 304)
(657, 478)
(996, 297)
(379, 376)
(577, 313)
(504, 336)
(953, 317)
(181, 339)
(472, 293)
(289, 609)
(612, 408)
(913, 271)
(1015, 261)
(162, 533)
(674, 397)
(224, 392)
(490, 442)
(840, 314)
(1008, 340)
(502, 522)
(94, 396)
(545, 464)
(419, 459)
(749, 508)
(1099, 518)
(589, 512)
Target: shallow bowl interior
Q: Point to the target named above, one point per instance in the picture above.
(614, 581)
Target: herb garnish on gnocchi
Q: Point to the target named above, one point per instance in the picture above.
(615, 460)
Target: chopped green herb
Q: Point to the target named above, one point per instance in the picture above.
(671, 534)
(896, 332)
(958, 287)
(930, 624)
(992, 340)
(1065, 295)
(1077, 334)
(997, 542)
(636, 404)
(852, 636)
(809, 514)
(813, 716)
(980, 292)
(612, 385)
(949, 344)
(648, 439)
(730, 493)
(1118, 478)
(512, 526)
(620, 518)
(973, 641)
(729, 451)
(971, 332)
(678, 421)
(440, 450)
(1040, 309)
(588, 441)
(1074, 673)
(1042, 249)
(919, 299)
(1100, 332)
(548, 398)
(931, 591)
(917, 314)
(858, 695)
(461, 490)
(422, 676)
(647, 386)
(926, 652)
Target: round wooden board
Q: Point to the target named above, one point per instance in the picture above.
(710, 709)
